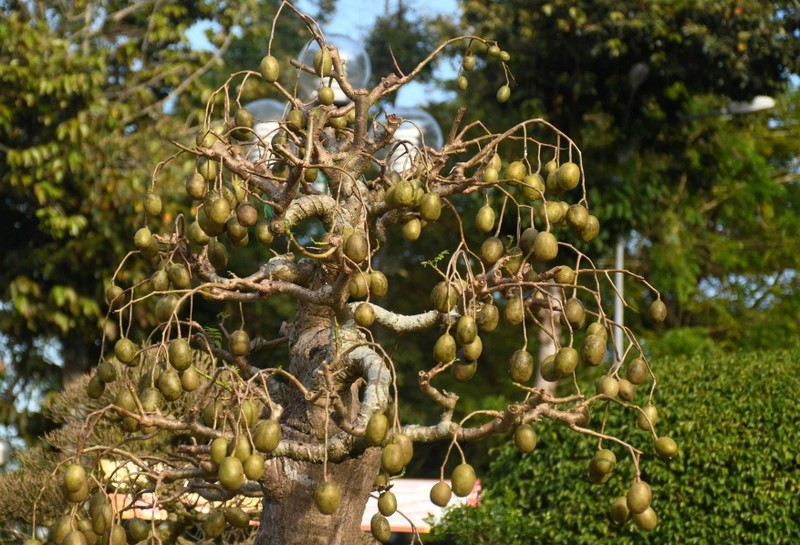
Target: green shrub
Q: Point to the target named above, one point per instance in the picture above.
(736, 478)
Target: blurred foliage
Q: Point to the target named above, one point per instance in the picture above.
(736, 478)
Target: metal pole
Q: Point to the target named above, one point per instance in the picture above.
(619, 308)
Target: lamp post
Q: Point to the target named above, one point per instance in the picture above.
(357, 68)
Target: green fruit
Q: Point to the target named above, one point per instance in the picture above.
(138, 530)
(430, 207)
(619, 510)
(196, 236)
(107, 372)
(392, 459)
(115, 296)
(412, 229)
(359, 285)
(566, 360)
(196, 186)
(243, 122)
(95, 388)
(593, 350)
(180, 354)
(102, 516)
(639, 497)
(124, 400)
(514, 261)
(218, 211)
(377, 427)
(236, 517)
(647, 418)
(545, 246)
(217, 255)
(152, 203)
(387, 503)
(554, 212)
(548, 369)
(323, 63)
(468, 62)
(165, 307)
(209, 227)
(646, 520)
(462, 83)
(310, 175)
(169, 384)
(503, 94)
(326, 96)
(246, 214)
(533, 187)
(190, 379)
(296, 120)
(406, 446)
(80, 495)
(218, 450)
(574, 312)
(327, 497)
(239, 343)
(380, 529)
(564, 275)
(492, 249)
(253, 467)
(577, 216)
(143, 238)
(505, 56)
(520, 366)
(214, 524)
(355, 247)
(263, 234)
(151, 399)
(441, 494)
(666, 447)
(637, 371)
(494, 51)
(488, 317)
(270, 69)
(378, 284)
(463, 479)
(472, 351)
(231, 473)
(241, 448)
(514, 313)
(466, 330)
(266, 435)
(627, 391)
(179, 276)
(525, 438)
(206, 168)
(658, 311)
(589, 231)
(462, 372)
(444, 297)
(115, 535)
(608, 386)
(484, 220)
(364, 315)
(603, 462)
(597, 328)
(516, 170)
(74, 477)
(444, 350)
(569, 176)
(490, 175)
(404, 193)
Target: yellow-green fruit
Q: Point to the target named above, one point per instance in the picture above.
(569, 176)
(253, 467)
(462, 83)
(138, 530)
(608, 386)
(243, 122)
(190, 379)
(637, 371)
(355, 247)
(514, 313)
(326, 96)
(151, 399)
(490, 175)
(484, 220)
(466, 330)
(218, 450)
(378, 284)
(619, 510)
(590, 230)
(364, 315)
(548, 369)
(125, 350)
(241, 448)
(520, 366)
(165, 307)
(169, 384)
(666, 447)
(218, 211)
(180, 354)
(377, 427)
(491, 250)
(468, 62)
(495, 162)
(196, 186)
(463, 479)
(323, 63)
(462, 372)
(488, 317)
(658, 311)
(647, 418)
(593, 350)
(74, 477)
(152, 203)
(646, 520)
(430, 207)
(441, 494)
(196, 236)
(359, 285)
(263, 234)
(554, 212)
(545, 246)
(240, 343)
(208, 226)
(516, 170)
(246, 214)
(75, 537)
(270, 69)
(179, 276)
(80, 495)
(412, 229)
(406, 446)
(566, 360)
(214, 524)
(597, 328)
(444, 297)
(639, 497)
(142, 238)
(392, 459)
(95, 387)
(327, 497)
(603, 462)
(217, 255)
(387, 503)
(380, 529)
(526, 240)
(444, 350)
(627, 391)
(503, 94)
(267, 435)
(574, 312)
(296, 119)
(564, 275)
(577, 216)
(124, 400)
(237, 517)
(102, 515)
(115, 296)
(525, 438)
(472, 351)
(116, 536)
(231, 473)
(533, 187)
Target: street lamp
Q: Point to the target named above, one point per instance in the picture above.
(267, 114)
(357, 67)
(418, 128)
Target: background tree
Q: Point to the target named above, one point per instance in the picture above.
(700, 199)
(90, 92)
(190, 412)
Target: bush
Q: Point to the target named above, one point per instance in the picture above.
(736, 478)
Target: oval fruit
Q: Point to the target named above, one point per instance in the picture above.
(240, 343)
(180, 354)
(125, 350)
(503, 94)
(647, 418)
(488, 317)
(364, 315)
(231, 473)
(566, 360)
(392, 459)
(267, 435)
(387, 503)
(639, 497)
(355, 247)
(627, 391)
(253, 467)
(441, 494)
(462, 372)
(666, 447)
(569, 176)
(74, 477)
(430, 207)
(484, 220)
(516, 170)
(444, 350)
(466, 330)
(463, 479)
(514, 312)
(270, 69)
(377, 427)
(574, 312)
(491, 250)
(380, 529)
(378, 284)
(545, 246)
(608, 386)
(658, 311)
(646, 520)
(525, 438)
(637, 371)
(593, 349)
(619, 510)
(520, 366)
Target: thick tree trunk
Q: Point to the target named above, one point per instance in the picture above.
(290, 516)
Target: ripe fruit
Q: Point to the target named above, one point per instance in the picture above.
(359, 285)
(327, 497)
(647, 418)
(266, 435)
(115, 296)
(392, 459)
(95, 388)
(240, 343)
(243, 122)
(619, 510)
(270, 69)
(484, 220)
(263, 234)
(441, 494)
(378, 284)
(639, 497)
(180, 354)
(463, 479)
(387, 503)
(503, 94)
(214, 524)
(569, 175)
(246, 214)
(545, 246)
(658, 311)
(666, 447)
(525, 438)
(376, 429)
(379, 527)
(231, 473)
(364, 315)
(520, 366)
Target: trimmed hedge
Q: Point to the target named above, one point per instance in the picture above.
(736, 479)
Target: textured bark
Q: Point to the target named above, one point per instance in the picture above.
(290, 516)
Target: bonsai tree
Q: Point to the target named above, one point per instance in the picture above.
(181, 432)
